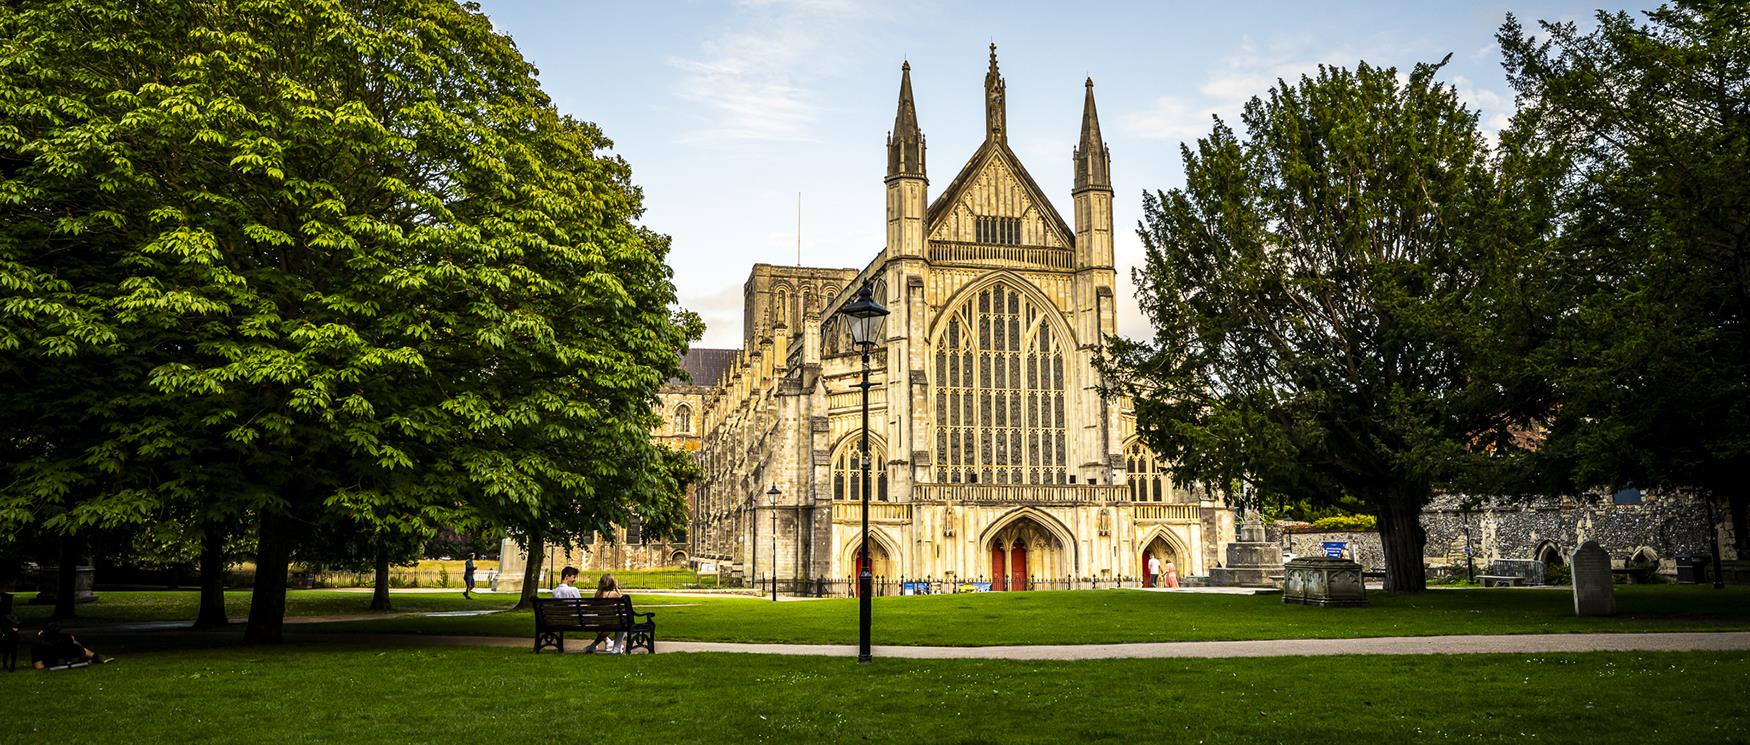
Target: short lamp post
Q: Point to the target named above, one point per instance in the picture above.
(865, 317)
(773, 493)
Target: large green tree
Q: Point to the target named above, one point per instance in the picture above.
(1315, 291)
(1647, 352)
(347, 249)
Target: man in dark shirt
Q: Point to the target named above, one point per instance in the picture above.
(56, 648)
(468, 576)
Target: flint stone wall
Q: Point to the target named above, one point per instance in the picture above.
(1667, 526)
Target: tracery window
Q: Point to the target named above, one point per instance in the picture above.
(683, 418)
(847, 473)
(999, 383)
(1148, 477)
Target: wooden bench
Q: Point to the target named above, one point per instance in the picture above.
(592, 615)
(1500, 580)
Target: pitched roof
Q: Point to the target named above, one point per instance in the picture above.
(705, 366)
(996, 149)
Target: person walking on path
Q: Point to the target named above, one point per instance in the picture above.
(1154, 570)
(1172, 574)
(608, 587)
(566, 589)
(468, 577)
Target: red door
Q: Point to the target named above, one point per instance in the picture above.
(857, 574)
(996, 570)
(1148, 580)
(1018, 570)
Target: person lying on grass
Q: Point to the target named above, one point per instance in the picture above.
(55, 648)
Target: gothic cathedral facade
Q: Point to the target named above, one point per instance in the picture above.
(992, 453)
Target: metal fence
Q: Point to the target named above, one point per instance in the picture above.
(889, 586)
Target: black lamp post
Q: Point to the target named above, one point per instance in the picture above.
(865, 319)
(773, 493)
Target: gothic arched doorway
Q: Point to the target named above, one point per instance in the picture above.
(880, 564)
(1022, 550)
(1163, 551)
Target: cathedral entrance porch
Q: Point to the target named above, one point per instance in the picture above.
(1021, 550)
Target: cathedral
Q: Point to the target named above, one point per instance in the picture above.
(993, 456)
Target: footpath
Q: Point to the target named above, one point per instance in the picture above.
(1724, 641)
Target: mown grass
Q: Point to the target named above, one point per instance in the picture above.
(182, 605)
(1083, 617)
(344, 693)
(1116, 616)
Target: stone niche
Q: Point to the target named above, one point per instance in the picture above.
(1317, 580)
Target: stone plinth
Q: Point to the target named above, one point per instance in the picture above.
(1316, 580)
(1594, 595)
(49, 584)
(1252, 561)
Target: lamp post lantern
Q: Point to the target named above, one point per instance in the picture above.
(865, 321)
(773, 493)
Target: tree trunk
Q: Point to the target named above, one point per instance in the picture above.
(267, 601)
(532, 572)
(380, 589)
(67, 579)
(1401, 534)
(212, 612)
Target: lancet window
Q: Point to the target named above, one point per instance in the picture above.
(1148, 477)
(1003, 230)
(847, 472)
(999, 393)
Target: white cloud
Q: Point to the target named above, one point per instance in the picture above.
(752, 83)
(1254, 70)
(1497, 109)
(721, 312)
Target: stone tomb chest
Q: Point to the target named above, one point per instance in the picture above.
(1317, 580)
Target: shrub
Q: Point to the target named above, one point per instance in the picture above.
(1346, 524)
(1557, 574)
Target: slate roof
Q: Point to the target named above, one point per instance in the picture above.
(706, 366)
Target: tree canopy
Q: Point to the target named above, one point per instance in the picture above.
(1648, 280)
(1314, 291)
(292, 259)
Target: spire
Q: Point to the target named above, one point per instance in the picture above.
(1093, 161)
(995, 116)
(905, 144)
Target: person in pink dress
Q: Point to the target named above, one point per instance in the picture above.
(1171, 573)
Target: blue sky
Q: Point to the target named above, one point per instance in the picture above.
(727, 110)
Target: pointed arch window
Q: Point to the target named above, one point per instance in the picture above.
(847, 471)
(999, 393)
(683, 419)
(1148, 477)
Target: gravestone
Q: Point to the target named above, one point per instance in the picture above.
(1594, 595)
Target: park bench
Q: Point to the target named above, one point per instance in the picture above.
(554, 617)
(1500, 580)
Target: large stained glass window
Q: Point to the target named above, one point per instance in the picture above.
(999, 383)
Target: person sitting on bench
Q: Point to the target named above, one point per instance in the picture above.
(608, 587)
(55, 648)
(566, 590)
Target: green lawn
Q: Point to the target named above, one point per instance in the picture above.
(182, 605)
(1084, 617)
(341, 693)
(1109, 616)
